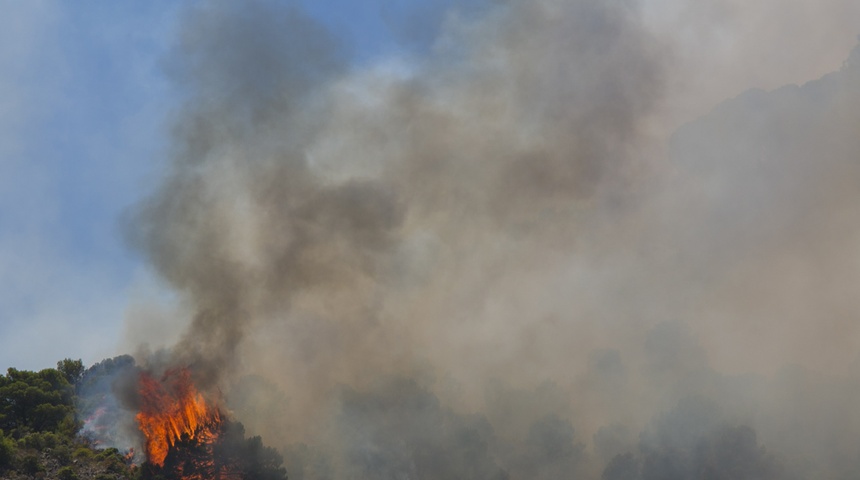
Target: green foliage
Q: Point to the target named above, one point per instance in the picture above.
(110, 455)
(115, 465)
(63, 454)
(83, 453)
(7, 451)
(73, 370)
(38, 425)
(40, 441)
(31, 465)
(69, 426)
(67, 473)
(35, 402)
(112, 460)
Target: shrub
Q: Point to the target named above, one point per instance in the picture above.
(115, 465)
(83, 453)
(109, 453)
(31, 465)
(67, 473)
(40, 441)
(63, 454)
(7, 451)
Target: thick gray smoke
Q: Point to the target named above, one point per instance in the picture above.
(338, 206)
(490, 261)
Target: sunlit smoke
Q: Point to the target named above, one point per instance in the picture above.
(518, 253)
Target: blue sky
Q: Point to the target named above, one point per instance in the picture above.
(81, 134)
(84, 104)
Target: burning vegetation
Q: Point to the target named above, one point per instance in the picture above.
(172, 410)
(223, 454)
(189, 438)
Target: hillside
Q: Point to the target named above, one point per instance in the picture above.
(39, 429)
(64, 424)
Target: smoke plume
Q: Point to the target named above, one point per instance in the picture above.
(491, 260)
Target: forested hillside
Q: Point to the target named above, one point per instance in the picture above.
(63, 424)
(39, 428)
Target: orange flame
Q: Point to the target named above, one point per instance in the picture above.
(172, 409)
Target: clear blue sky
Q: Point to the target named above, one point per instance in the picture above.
(83, 107)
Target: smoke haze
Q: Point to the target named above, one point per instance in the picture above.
(501, 259)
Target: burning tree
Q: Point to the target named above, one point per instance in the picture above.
(188, 438)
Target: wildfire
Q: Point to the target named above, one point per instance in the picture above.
(172, 410)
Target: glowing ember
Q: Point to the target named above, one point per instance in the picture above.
(172, 410)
